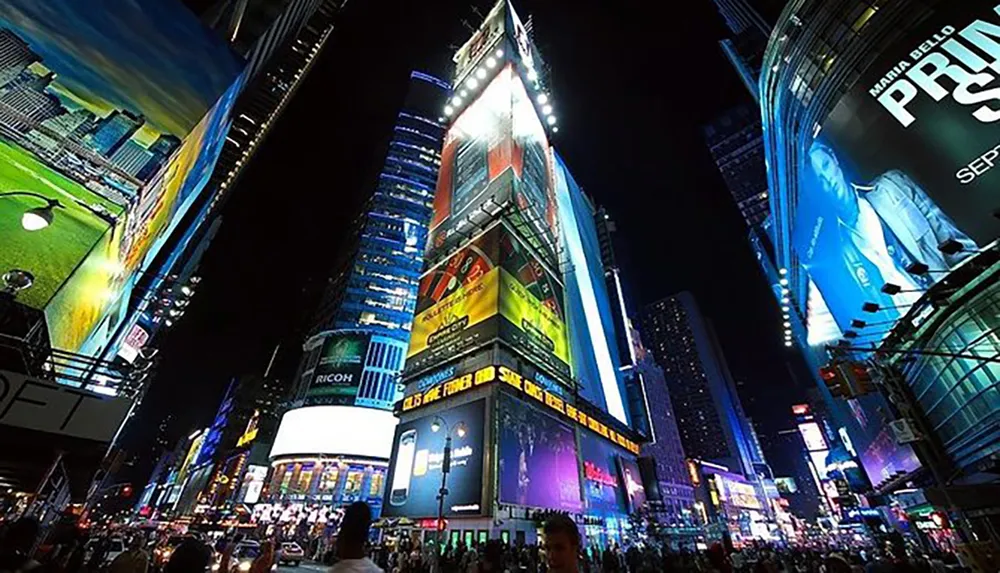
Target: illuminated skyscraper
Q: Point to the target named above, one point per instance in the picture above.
(710, 417)
(113, 130)
(512, 384)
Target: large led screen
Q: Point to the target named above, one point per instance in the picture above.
(104, 112)
(632, 483)
(496, 154)
(602, 488)
(884, 459)
(904, 163)
(341, 362)
(459, 302)
(532, 305)
(537, 458)
(417, 456)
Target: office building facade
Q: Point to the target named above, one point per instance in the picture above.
(709, 417)
(348, 377)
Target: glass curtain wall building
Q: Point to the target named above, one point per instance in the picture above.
(884, 224)
(332, 448)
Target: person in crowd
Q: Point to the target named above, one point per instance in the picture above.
(134, 560)
(266, 559)
(351, 541)
(16, 546)
(191, 556)
(562, 544)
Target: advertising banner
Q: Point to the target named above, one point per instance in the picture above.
(884, 458)
(103, 119)
(417, 456)
(537, 458)
(253, 484)
(903, 164)
(341, 362)
(496, 154)
(631, 480)
(531, 301)
(602, 489)
(457, 303)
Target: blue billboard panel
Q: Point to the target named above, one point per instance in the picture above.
(602, 488)
(417, 459)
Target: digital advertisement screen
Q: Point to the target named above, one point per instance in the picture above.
(883, 459)
(456, 301)
(904, 163)
(341, 362)
(812, 436)
(602, 488)
(531, 300)
(93, 114)
(631, 481)
(496, 152)
(417, 456)
(537, 458)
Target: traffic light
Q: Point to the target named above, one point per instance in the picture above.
(835, 381)
(126, 490)
(860, 377)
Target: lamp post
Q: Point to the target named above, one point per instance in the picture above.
(460, 430)
(39, 217)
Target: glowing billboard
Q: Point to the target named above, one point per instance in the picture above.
(418, 457)
(107, 117)
(901, 175)
(496, 155)
(537, 454)
(470, 299)
(341, 362)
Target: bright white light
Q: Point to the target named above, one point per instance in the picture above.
(785, 309)
(783, 272)
(787, 324)
(491, 62)
(543, 99)
(481, 74)
(499, 53)
(33, 221)
(456, 101)
(606, 368)
(463, 93)
(555, 129)
(788, 343)
(448, 110)
(331, 430)
(532, 75)
(783, 282)
(784, 299)
(186, 290)
(547, 109)
(551, 119)
(471, 83)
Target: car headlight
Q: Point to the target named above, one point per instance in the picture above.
(244, 566)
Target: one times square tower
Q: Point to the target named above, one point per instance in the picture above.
(491, 392)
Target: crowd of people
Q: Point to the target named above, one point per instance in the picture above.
(563, 552)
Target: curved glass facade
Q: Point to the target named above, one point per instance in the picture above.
(841, 133)
(960, 396)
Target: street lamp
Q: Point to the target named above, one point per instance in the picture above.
(460, 430)
(36, 218)
(16, 280)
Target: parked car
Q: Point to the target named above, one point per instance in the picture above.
(291, 553)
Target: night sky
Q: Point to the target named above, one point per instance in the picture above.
(631, 91)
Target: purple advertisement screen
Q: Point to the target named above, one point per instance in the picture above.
(538, 464)
(884, 458)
